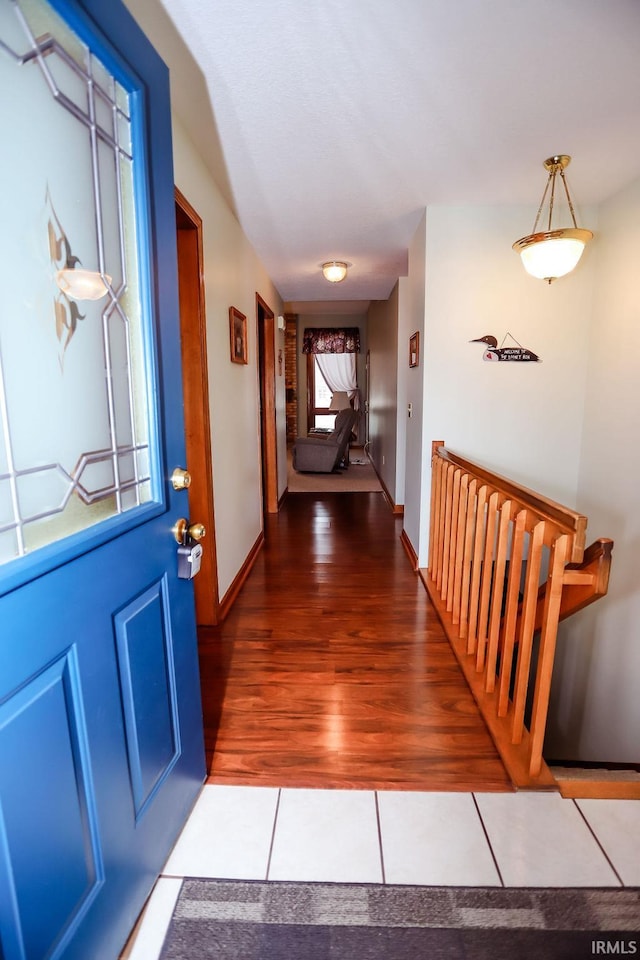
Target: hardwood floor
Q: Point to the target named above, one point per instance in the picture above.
(332, 670)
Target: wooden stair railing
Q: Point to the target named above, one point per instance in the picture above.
(505, 566)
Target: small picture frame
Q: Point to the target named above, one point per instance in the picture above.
(414, 349)
(238, 335)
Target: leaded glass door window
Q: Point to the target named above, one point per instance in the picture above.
(75, 369)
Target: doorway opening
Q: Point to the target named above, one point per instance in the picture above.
(267, 374)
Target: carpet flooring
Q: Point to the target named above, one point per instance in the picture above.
(252, 920)
(359, 477)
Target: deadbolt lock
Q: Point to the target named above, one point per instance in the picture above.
(180, 479)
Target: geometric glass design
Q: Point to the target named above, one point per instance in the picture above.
(74, 415)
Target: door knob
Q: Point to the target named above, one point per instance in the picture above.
(183, 529)
(180, 479)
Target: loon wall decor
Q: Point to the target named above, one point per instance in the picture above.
(494, 352)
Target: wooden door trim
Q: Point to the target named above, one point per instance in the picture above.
(195, 384)
(268, 425)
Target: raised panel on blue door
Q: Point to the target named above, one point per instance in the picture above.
(47, 813)
(147, 678)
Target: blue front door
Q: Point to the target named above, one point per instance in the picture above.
(101, 744)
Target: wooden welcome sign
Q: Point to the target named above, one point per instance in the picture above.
(494, 352)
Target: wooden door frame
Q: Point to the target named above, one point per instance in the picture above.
(265, 318)
(195, 380)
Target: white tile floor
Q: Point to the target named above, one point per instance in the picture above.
(359, 836)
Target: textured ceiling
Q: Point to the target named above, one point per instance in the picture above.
(337, 123)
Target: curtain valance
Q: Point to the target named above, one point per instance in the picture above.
(331, 340)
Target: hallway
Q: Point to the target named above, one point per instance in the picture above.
(332, 669)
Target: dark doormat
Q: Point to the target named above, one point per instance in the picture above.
(251, 920)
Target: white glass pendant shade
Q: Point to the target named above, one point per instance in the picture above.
(82, 284)
(334, 270)
(548, 256)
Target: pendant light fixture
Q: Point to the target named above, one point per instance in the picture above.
(553, 253)
(335, 270)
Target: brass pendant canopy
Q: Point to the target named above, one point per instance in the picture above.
(550, 253)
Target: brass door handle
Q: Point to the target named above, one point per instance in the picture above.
(197, 531)
(183, 529)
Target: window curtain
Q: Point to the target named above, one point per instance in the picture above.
(339, 370)
(335, 349)
(331, 340)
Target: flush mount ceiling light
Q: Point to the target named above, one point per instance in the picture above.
(335, 270)
(550, 254)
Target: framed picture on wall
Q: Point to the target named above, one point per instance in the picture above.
(414, 349)
(238, 334)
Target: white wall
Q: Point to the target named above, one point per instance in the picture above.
(404, 326)
(411, 319)
(232, 277)
(521, 420)
(595, 698)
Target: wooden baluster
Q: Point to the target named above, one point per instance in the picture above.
(445, 523)
(446, 546)
(560, 552)
(476, 568)
(453, 540)
(527, 623)
(470, 529)
(433, 524)
(502, 545)
(458, 573)
(511, 612)
(487, 577)
(437, 472)
(441, 523)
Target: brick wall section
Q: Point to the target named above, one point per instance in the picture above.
(291, 374)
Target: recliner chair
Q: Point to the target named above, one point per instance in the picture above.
(323, 454)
